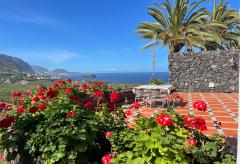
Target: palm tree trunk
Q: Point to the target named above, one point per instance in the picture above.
(154, 62)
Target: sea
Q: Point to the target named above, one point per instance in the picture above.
(126, 78)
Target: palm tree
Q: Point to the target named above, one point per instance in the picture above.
(230, 32)
(154, 62)
(177, 25)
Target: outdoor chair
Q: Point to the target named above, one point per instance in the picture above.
(157, 95)
(139, 95)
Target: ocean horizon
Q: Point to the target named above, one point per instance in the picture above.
(127, 77)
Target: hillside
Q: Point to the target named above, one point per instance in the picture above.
(13, 65)
(39, 69)
(59, 71)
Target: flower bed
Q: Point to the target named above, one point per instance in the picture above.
(73, 123)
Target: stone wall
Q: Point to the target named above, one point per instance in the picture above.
(209, 71)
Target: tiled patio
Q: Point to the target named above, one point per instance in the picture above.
(221, 107)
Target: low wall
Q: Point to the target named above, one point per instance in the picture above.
(209, 71)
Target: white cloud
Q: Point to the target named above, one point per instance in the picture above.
(58, 57)
(29, 17)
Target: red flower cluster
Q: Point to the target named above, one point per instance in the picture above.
(114, 97)
(42, 106)
(176, 97)
(89, 105)
(84, 87)
(164, 120)
(108, 134)
(74, 99)
(69, 80)
(33, 110)
(106, 159)
(35, 99)
(71, 114)
(128, 113)
(136, 105)
(192, 141)
(52, 94)
(200, 105)
(195, 123)
(20, 109)
(98, 94)
(4, 105)
(98, 83)
(111, 106)
(68, 91)
(6, 122)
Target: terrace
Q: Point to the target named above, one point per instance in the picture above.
(221, 115)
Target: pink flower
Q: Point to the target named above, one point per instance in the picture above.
(114, 97)
(164, 120)
(108, 134)
(192, 141)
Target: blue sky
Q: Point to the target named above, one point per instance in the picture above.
(79, 35)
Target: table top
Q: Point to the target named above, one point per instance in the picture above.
(164, 86)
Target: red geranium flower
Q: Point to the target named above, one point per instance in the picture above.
(106, 159)
(98, 94)
(35, 99)
(42, 106)
(108, 134)
(33, 110)
(111, 106)
(20, 109)
(192, 141)
(164, 120)
(74, 98)
(128, 113)
(6, 122)
(43, 97)
(114, 97)
(75, 84)
(52, 94)
(69, 80)
(200, 105)
(68, 91)
(136, 105)
(2, 105)
(71, 114)
(89, 105)
(98, 83)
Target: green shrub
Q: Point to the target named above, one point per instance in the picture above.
(156, 81)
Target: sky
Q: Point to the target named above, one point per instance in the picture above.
(80, 35)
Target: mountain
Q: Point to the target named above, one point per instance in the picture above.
(11, 64)
(59, 71)
(39, 69)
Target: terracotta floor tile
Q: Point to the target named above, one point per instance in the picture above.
(229, 125)
(221, 113)
(209, 124)
(183, 112)
(210, 131)
(230, 132)
(225, 119)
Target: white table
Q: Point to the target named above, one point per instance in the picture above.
(163, 86)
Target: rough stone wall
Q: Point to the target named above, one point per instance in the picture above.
(209, 71)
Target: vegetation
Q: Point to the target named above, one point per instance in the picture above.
(185, 24)
(156, 81)
(69, 122)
